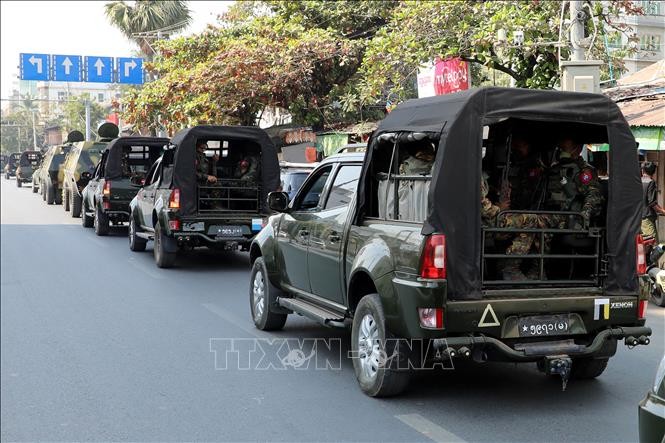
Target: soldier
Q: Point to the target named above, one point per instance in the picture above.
(246, 170)
(651, 207)
(420, 162)
(525, 173)
(522, 242)
(572, 185)
(202, 164)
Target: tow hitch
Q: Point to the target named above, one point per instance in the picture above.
(561, 365)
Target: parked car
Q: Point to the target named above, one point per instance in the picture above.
(292, 176)
(12, 164)
(652, 410)
(28, 163)
(116, 180)
(80, 164)
(405, 259)
(178, 210)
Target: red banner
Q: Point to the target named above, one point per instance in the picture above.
(451, 75)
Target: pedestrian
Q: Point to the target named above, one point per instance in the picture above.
(651, 209)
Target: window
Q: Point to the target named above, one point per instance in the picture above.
(651, 7)
(344, 186)
(100, 97)
(152, 174)
(311, 195)
(62, 95)
(650, 42)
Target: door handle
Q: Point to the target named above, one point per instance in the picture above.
(303, 233)
(334, 237)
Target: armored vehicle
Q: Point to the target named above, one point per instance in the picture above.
(410, 259)
(209, 189)
(28, 163)
(80, 165)
(116, 180)
(50, 173)
(12, 164)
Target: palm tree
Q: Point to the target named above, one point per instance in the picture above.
(148, 20)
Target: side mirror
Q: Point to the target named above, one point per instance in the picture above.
(278, 201)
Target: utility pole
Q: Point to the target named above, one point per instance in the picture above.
(87, 119)
(579, 74)
(34, 132)
(577, 18)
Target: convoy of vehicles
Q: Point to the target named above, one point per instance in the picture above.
(12, 164)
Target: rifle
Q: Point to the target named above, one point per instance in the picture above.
(504, 193)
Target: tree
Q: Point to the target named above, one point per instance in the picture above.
(146, 20)
(73, 114)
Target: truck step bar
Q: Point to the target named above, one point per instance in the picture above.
(313, 312)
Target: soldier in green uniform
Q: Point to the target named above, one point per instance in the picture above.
(525, 174)
(420, 161)
(651, 209)
(202, 164)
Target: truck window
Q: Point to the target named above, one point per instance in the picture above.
(311, 194)
(344, 186)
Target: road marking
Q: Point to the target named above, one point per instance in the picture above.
(430, 430)
(234, 321)
(483, 320)
(145, 269)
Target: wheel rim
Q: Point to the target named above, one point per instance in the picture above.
(259, 295)
(369, 349)
(131, 231)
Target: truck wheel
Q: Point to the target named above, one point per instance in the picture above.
(263, 295)
(136, 243)
(65, 200)
(86, 220)
(50, 195)
(164, 259)
(18, 182)
(101, 222)
(34, 188)
(588, 367)
(373, 353)
(76, 205)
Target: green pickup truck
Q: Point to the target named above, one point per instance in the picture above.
(27, 165)
(117, 178)
(404, 258)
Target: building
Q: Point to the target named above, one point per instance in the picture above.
(54, 94)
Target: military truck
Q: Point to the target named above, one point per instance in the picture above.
(404, 258)
(12, 164)
(178, 210)
(117, 178)
(27, 165)
(80, 165)
(50, 173)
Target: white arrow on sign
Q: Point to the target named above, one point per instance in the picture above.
(36, 61)
(129, 66)
(67, 63)
(99, 64)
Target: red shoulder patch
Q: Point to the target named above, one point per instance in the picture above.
(586, 176)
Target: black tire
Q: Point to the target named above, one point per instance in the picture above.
(263, 298)
(76, 201)
(376, 378)
(50, 195)
(65, 200)
(101, 222)
(18, 182)
(163, 259)
(136, 243)
(86, 220)
(35, 188)
(42, 190)
(585, 368)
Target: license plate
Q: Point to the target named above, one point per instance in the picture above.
(544, 325)
(226, 231)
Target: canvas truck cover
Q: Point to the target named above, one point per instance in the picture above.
(184, 176)
(454, 196)
(113, 167)
(30, 158)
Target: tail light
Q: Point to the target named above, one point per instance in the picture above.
(431, 318)
(174, 199)
(434, 257)
(174, 225)
(106, 192)
(642, 309)
(641, 259)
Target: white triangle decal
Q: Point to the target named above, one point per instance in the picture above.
(483, 320)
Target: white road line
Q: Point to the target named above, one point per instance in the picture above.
(145, 269)
(430, 430)
(234, 321)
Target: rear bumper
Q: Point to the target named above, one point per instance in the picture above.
(651, 417)
(534, 351)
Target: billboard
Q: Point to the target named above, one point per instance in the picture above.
(444, 77)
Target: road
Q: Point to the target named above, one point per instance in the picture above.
(97, 343)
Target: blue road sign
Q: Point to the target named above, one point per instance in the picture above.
(98, 69)
(130, 70)
(35, 66)
(67, 68)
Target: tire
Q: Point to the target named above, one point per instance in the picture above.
(42, 190)
(585, 368)
(262, 296)
(136, 243)
(163, 259)
(376, 378)
(65, 200)
(75, 204)
(101, 222)
(34, 188)
(18, 182)
(86, 220)
(50, 195)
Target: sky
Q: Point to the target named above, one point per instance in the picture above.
(71, 27)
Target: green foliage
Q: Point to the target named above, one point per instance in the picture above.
(17, 123)
(73, 114)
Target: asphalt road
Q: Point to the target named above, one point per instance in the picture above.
(97, 343)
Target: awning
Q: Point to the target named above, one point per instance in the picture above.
(650, 138)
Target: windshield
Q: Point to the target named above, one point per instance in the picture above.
(291, 181)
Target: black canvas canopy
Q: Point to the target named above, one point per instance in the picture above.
(29, 157)
(113, 167)
(184, 170)
(454, 196)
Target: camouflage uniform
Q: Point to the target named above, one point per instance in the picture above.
(201, 167)
(415, 166)
(524, 176)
